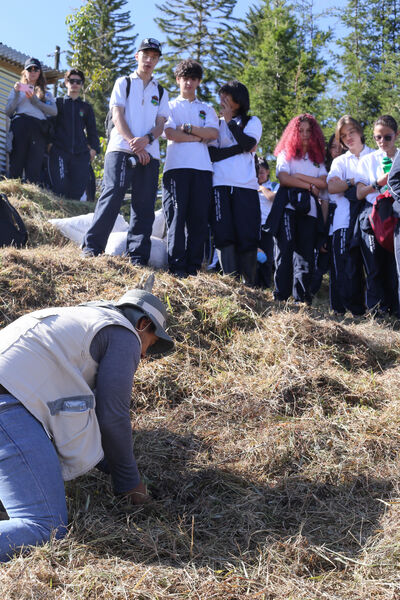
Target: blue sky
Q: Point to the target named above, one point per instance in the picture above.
(38, 29)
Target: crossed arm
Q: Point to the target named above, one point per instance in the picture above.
(136, 144)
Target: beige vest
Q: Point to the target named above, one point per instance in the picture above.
(45, 362)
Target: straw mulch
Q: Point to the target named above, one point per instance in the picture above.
(269, 441)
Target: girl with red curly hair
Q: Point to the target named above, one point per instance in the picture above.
(302, 174)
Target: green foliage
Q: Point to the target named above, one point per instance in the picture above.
(202, 30)
(370, 63)
(285, 72)
(101, 47)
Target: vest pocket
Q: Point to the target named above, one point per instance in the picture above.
(73, 404)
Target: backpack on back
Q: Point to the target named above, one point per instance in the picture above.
(382, 220)
(12, 228)
(108, 123)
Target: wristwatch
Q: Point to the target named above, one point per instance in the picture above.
(348, 183)
(151, 137)
(376, 186)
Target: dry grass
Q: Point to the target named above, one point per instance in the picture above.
(269, 440)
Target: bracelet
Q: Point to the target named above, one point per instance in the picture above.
(187, 128)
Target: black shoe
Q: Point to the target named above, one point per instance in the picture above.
(87, 253)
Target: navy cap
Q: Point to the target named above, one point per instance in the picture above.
(32, 62)
(150, 44)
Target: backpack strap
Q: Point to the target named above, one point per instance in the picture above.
(14, 216)
(160, 91)
(128, 86)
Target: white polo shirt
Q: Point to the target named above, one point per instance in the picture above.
(369, 170)
(142, 107)
(239, 170)
(265, 204)
(345, 167)
(301, 166)
(189, 155)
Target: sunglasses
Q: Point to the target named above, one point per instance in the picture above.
(387, 137)
(34, 69)
(77, 81)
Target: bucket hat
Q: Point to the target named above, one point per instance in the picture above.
(155, 310)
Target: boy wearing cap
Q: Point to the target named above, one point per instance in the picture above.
(75, 141)
(132, 157)
(187, 179)
(71, 409)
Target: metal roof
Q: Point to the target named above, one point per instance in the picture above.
(17, 59)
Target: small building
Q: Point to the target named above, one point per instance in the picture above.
(11, 64)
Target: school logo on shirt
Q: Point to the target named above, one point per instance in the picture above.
(81, 113)
(316, 165)
(155, 101)
(202, 115)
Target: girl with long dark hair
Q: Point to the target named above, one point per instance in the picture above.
(236, 217)
(28, 110)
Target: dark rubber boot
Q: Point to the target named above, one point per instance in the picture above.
(227, 260)
(248, 267)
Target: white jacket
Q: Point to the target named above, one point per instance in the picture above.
(45, 362)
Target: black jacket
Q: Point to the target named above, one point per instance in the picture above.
(278, 207)
(394, 184)
(75, 126)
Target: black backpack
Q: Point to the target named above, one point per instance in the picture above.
(108, 123)
(12, 228)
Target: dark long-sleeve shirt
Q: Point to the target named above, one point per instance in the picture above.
(117, 351)
(75, 126)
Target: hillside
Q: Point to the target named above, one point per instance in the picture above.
(270, 442)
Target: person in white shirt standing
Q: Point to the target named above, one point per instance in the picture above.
(236, 217)
(187, 179)
(139, 110)
(371, 180)
(302, 174)
(266, 192)
(347, 263)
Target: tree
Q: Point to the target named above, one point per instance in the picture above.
(285, 72)
(202, 30)
(369, 83)
(101, 47)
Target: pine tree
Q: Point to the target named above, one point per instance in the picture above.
(284, 72)
(202, 30)
(370, 59)
(102, 47)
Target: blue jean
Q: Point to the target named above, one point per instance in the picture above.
(118, 175)
(31, 485)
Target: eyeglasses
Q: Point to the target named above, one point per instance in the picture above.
(387, 137)
(77, 81)
(34, 69)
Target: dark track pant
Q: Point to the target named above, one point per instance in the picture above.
(294, 256)
(381, 276)
(397, 260)
(346, 275)
(236, 218)
(69, 173)
(322, 261)
(28, 148)
(118, 175)
(187, 196)
(264, 270)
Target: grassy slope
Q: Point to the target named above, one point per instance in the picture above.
(269, 439)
